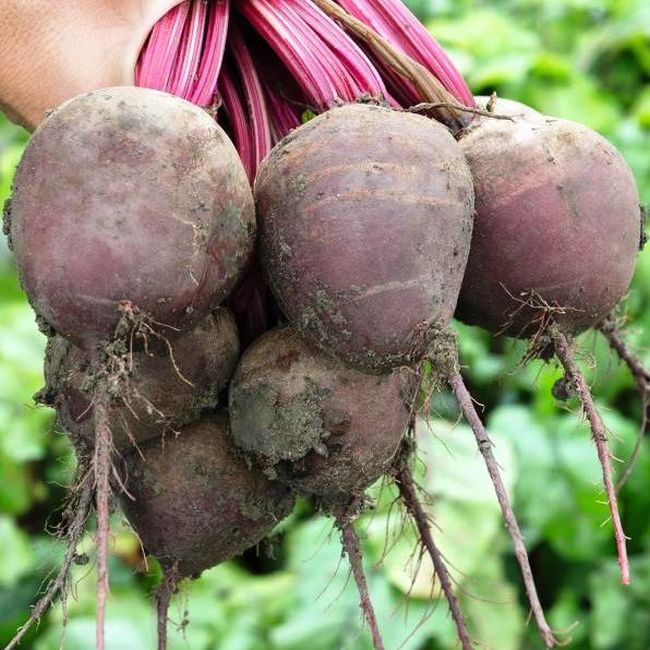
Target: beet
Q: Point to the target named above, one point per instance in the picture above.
(164, 390)
(129, 200)
(365, 219)
(195, 501)
(321, 427)
(557, 230)
(557, 223)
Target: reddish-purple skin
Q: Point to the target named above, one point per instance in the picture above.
(129, 194)
(157, 397)
(321, 427)
(557, 222)
(195, 502)
(365, 218)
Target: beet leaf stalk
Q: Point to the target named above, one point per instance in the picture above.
(156, 62)
(427, 85)
(188, 57)
(184, 51)
(260, 127)
(394, 22)
(576, 378)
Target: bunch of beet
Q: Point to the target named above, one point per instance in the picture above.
(131, 221)
(203, 402)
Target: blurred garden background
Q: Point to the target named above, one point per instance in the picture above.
(587, 60)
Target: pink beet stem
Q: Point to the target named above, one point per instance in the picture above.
(239, 127)
(337, 75)
(254, 96)
(392, 20)
(364, 74)
(158, 56)
(284, 117)
(289, 39)
(189, 52)
(205, 86)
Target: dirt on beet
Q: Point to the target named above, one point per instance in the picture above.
(154, 392)
(321, 427)
(365, 219)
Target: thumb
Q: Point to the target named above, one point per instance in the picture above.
(53, 51)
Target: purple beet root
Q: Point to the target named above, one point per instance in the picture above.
(316, 424)
(129, 203)
(163, 388)
(195, 502)
(557, 226)
(365, 218)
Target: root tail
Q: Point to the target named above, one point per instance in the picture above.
(79, 509)
(466, 405)
(612, 333)
(599, 434)
(164, 594)
(352, 547)
(102, 469)
(409, 496)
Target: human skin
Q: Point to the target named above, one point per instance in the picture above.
(52, 51)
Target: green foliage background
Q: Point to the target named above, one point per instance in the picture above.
(588, 60)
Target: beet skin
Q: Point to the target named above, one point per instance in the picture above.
(323, 428)
(129, 198)
(166, 387)
(557, 225)
(365, 218)
(195, 502)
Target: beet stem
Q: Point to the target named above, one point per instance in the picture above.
(395, 22)
(598, 432)
(466, 405)
(612, 334)
(427, 107)
(409, 497)
(102, 464)
(81, 507)
(352, 548)
(429, 87)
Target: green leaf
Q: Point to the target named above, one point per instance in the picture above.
(15, 486)
(621, 615)
(16, 558)
(489, 598)
(454, 467)
(22, 425)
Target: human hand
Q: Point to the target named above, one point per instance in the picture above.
(52, 51)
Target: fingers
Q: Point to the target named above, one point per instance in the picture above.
(56, 50)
